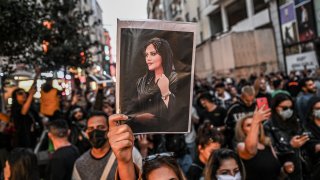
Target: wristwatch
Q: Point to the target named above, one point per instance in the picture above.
(166, 96)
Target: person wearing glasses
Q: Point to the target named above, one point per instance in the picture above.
(24, 117)
(287, 134)
(162, 166)
(112, 147)
(224, 164)
(156, 90)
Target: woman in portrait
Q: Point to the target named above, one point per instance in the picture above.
(156, 89)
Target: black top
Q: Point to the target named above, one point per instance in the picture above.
(196, 169)
(61, 163)
(149, 101)
(262, 166)
(24, 127)
(216, 117)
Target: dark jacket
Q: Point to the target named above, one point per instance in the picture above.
(235, 112)
(281, 133)
(149, 101)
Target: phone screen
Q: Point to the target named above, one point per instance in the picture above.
(263, 101)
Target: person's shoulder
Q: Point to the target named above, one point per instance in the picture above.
(84, 158)
(141, 79)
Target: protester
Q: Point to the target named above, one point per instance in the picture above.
(286, 133)
(313, 126)
(50, 100)
(77, 124)
(21, 164)
(99, 162)
(223, 98)
(208, 140)
(162, 166)
(308, 89)
(224, 164)
(238, 110)
(176, 143)
(25, 118)
(214, 113)
(65, 154)
(260, 86)
(255, 148)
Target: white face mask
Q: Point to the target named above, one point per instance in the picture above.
(229, 177)
(316, 113)
(286, 114)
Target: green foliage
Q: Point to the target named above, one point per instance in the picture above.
(23, 33)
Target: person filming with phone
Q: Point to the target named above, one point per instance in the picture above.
(287, 135)
(255, 148)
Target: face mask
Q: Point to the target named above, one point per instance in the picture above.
(229, 177)
(97, 138)
(316, 113)
(286, 114)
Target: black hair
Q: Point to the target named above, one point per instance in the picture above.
(159, 162)
(206, 134)
(59, 128)
(23, 164)
(98, 113)
(176, 143)
(215, 161)
(164, 50)
(276, 83)
(303, 82)
(47, 86)
(219, 85)
(312, 101)
(205, 95)
(291, 124)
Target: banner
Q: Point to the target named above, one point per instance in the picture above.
(298, 62)
(155, 69)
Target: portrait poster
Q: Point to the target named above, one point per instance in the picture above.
(155, 71)
(305, 20)
(317, 14)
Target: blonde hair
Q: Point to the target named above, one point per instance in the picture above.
(248, 90)
(241, 136)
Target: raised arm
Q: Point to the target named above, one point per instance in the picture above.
(32, 91)
(121, 141)
(249, 148)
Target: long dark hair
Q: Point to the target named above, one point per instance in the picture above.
(23, 165)
(291, 125)
(164, 50)
(14, 96)
(215, 161)
(309, 117)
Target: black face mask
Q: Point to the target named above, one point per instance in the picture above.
(97, 138)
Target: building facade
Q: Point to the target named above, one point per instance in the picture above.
(235, 37)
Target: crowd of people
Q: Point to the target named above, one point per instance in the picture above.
(266, 126)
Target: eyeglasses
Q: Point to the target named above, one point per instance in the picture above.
(156, 156)
(286, 107)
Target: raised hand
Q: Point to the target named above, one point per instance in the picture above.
(163, 84)
(261, 114)
(120, 138)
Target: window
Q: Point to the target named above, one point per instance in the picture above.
(236, 12)
(215, 23)
(259, 5)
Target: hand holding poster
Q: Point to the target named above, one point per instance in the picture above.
(155, 67)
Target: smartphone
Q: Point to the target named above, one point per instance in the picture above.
(263, 101)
